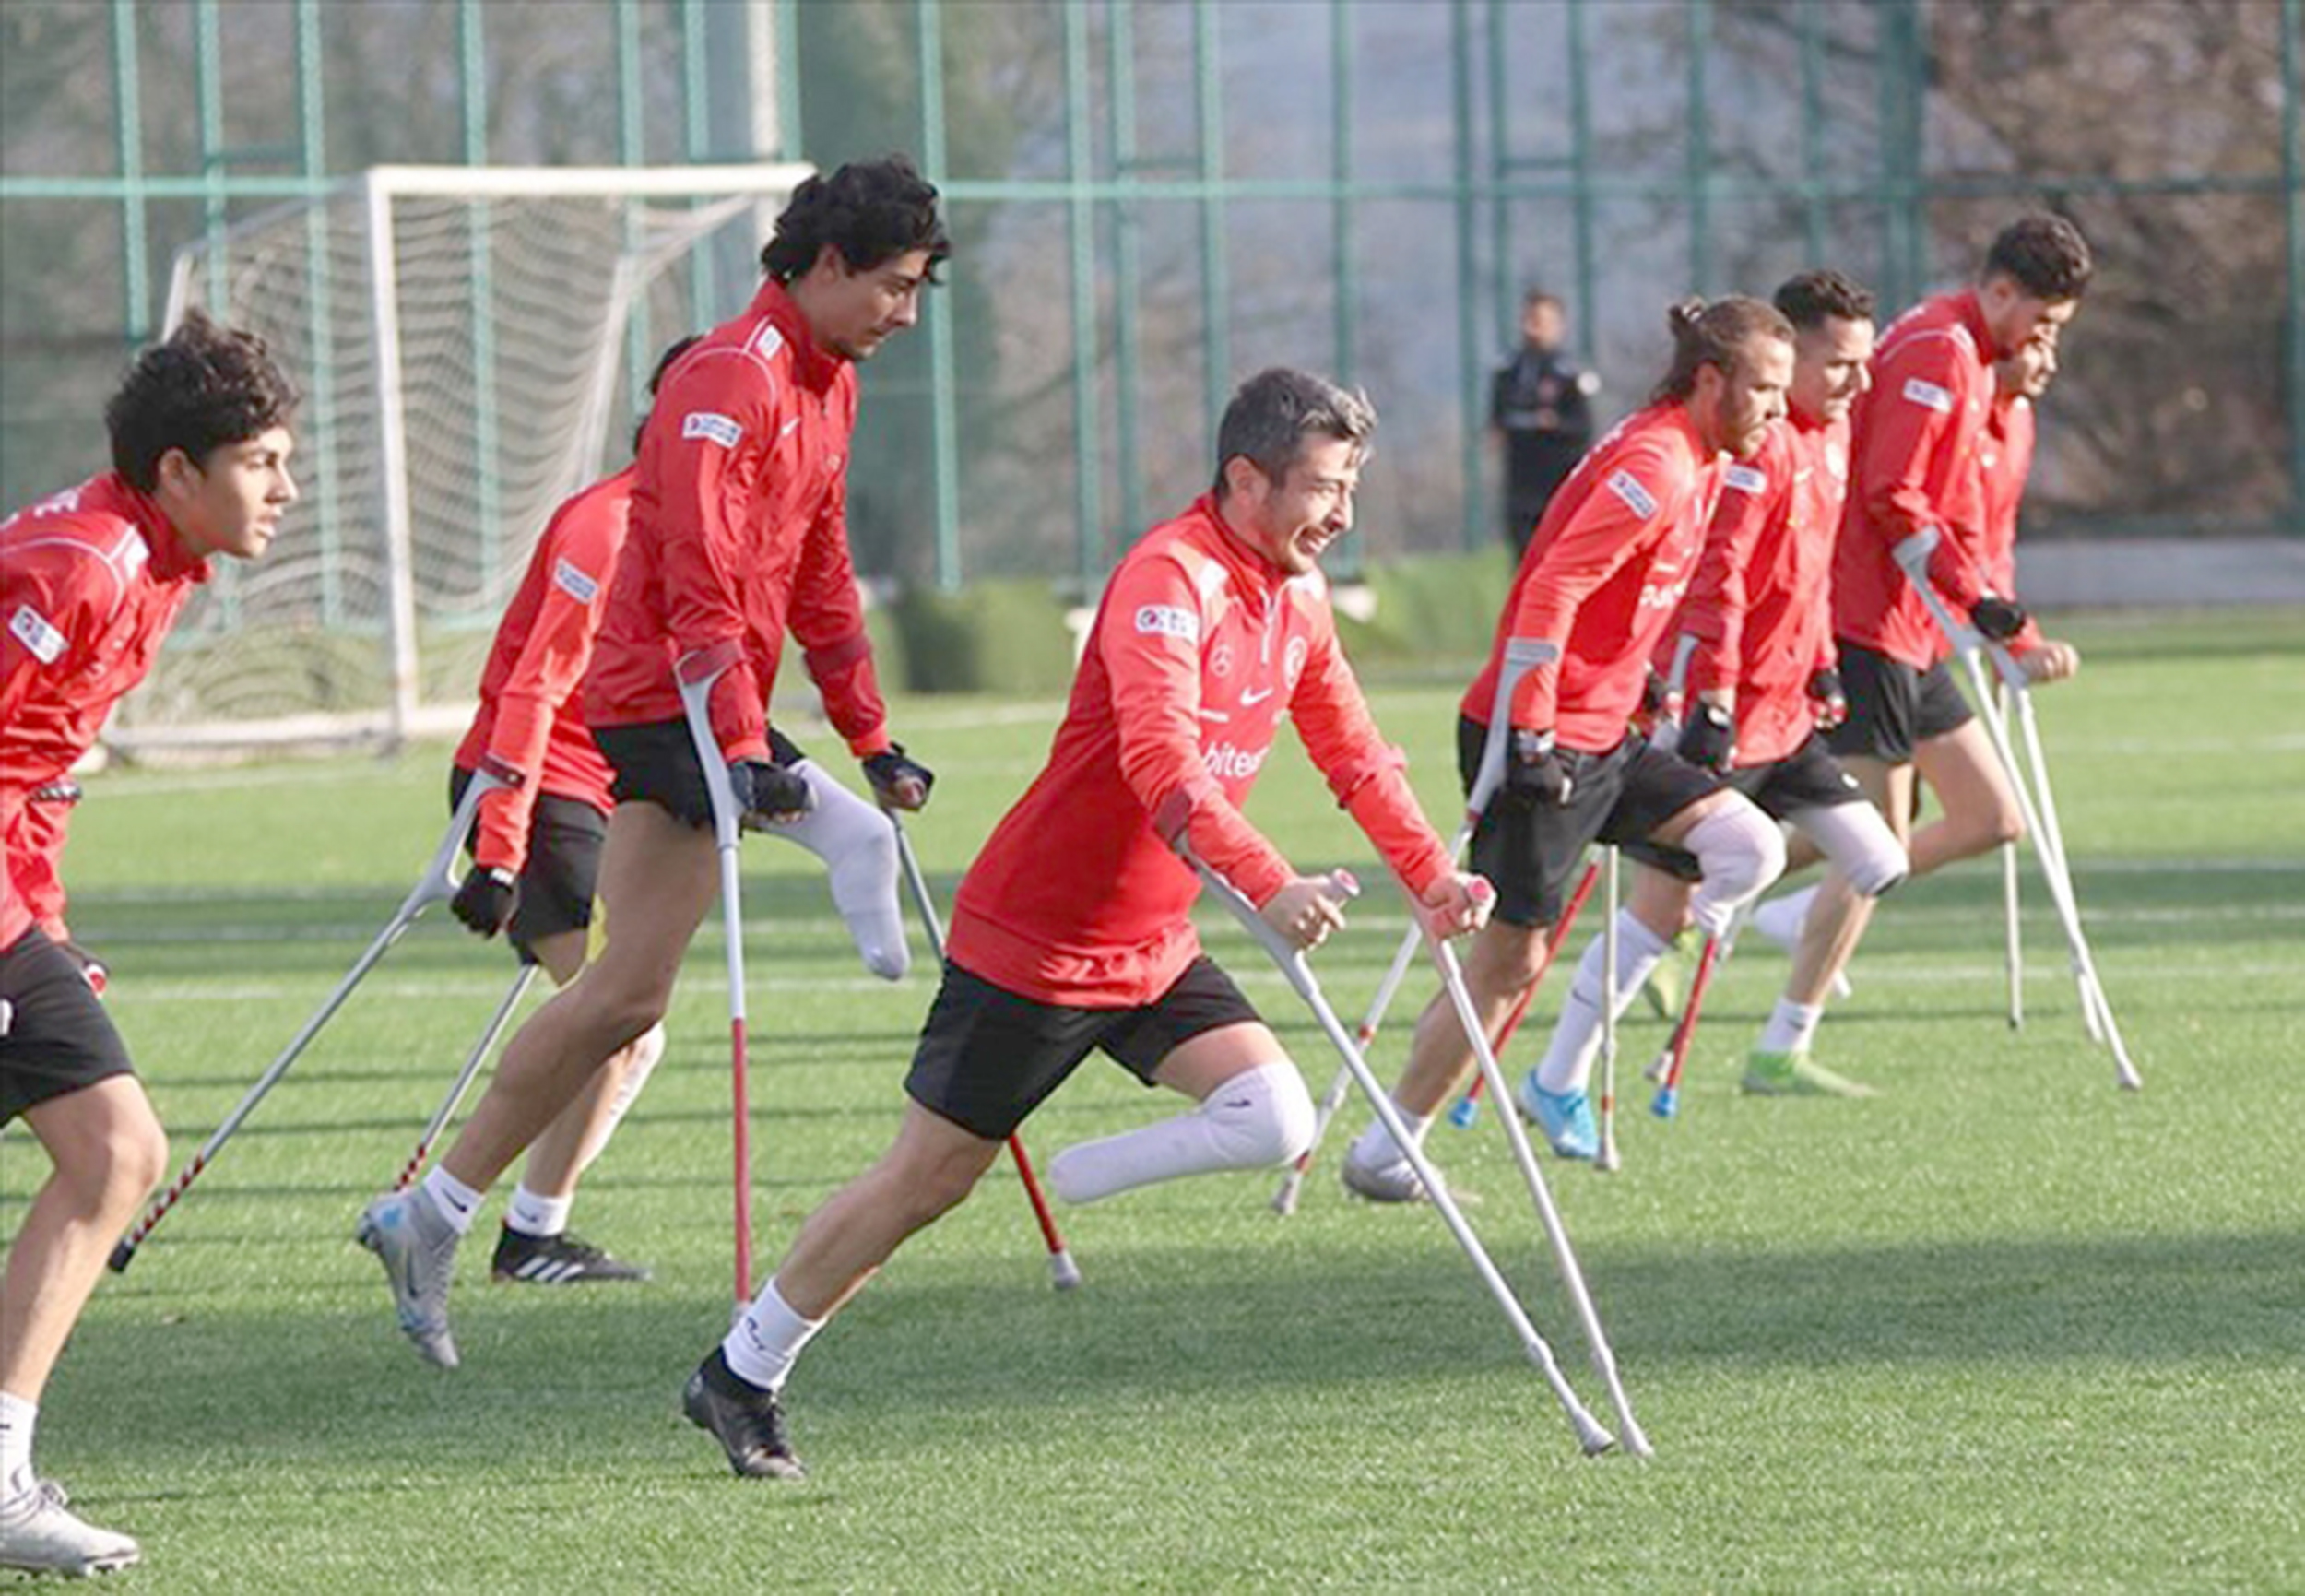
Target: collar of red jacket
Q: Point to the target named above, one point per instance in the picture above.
(1972, 314)
(1256, 576)
(815, 366)
(171, 561)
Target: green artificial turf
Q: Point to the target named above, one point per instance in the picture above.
(2002, 1328)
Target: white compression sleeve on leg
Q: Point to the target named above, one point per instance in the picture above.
(1259, 1117)
(858, 849)
(1576, 1035)
(1740, 851)
(1856, 838)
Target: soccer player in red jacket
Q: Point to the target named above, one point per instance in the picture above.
(1922, 431)
(1601, 577)
(1212, 630)
(738, 536)
(91, 580)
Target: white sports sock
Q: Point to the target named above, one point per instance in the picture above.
(1576, 1035)
(1259, 1117)
(457, 1202)
(537, 1216)
(766, 1338)
(18, 1418)
(1792, 1027)
(858, 847)
(1375, 1147)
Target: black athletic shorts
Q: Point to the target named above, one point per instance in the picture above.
(1807, 778)
(562, 867)
(1893, 709)
(58, 1038)
(987, 1055)
(655, 763)
(1529, 852)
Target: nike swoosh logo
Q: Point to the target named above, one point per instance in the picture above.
(786, 430)
(1250, 699)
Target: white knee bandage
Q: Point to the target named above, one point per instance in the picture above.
(1259, 1117)
(1858, 843)
(1740, 851)
(858, 849)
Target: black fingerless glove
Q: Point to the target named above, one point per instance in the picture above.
(1538, 774)
(886, 769)
(487, 899)
(1709, 739)
(1997, 618)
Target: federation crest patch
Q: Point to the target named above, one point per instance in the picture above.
(1745, 479)
(1626, 486)
(1167, 620)
(1929, 396)
(32, 629)
(711, 426)
(575, 583)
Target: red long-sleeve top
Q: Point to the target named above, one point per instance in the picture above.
(1759, 608)
(1602, 576)
(531, 722)
(740, 533)
(2005, 459)
(1200, 649)
(91, 580)
(1915, 466)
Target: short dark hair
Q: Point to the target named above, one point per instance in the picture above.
(1277, 410)
(200, 388)
(1540, 296)
(1712, 335)
(2045, 255)
(871, 211)
(672, 352)
(1807, 300)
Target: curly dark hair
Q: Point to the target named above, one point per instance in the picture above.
(1711, 335)
(871, 211)
(1277, 410)
(202, 388)
(2045, 255)
(1808, 299)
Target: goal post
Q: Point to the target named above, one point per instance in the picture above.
(473, 345)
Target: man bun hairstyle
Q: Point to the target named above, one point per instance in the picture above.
(1810, 300)
(202, 388)
(872, 211)
(1714, 335)
(1277, 410)
(2045, 255)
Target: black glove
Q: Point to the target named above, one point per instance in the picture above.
(91, 968)
(487, 899)
(1825, 686)
(1655, 696)
(769, 792)
(1538, 772)
(1997, 618)
(886, 769)
(1710, 740)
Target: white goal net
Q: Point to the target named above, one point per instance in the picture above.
(473, 345)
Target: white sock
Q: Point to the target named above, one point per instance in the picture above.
(1792, 1027)
(457, 1202)
(1258, 1119)
(1576, 1036)
(766, 1338)
(1780, 920)
(1376, 1148)
(537, 1216)
(858, 847)
(18, 1418)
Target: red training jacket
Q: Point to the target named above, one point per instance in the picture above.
(740, 532)
(1200, 649)
(1915, 466)
(91, 580)
(1759, 609)
(2006, 461)
(530, 720)
(1601, 577)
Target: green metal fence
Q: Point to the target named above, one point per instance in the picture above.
(1155, 197)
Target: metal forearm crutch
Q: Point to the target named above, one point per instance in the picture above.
(2038, 814)
(1521, 656)
(1468, 1106)
(1590, 1435)
(1064, 1275)
(2013, 936)
(696, 673)
(439, 881)
(481, 1050)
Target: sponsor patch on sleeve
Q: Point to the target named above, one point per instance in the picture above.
(1745, 479)
(1625, 486)
(575, 583)
(1168, 621)
(32, 629)
(1928, 394)
(710, 425)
